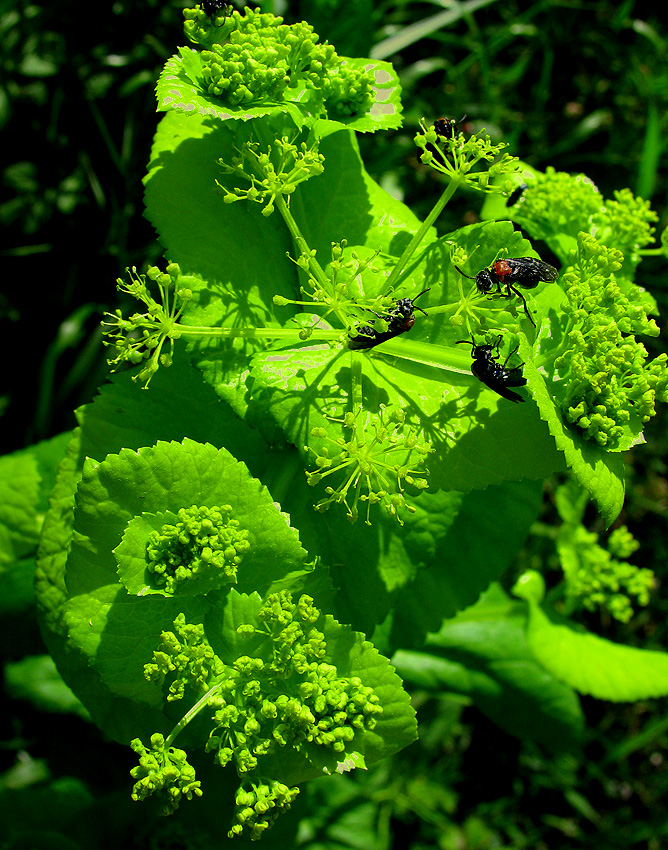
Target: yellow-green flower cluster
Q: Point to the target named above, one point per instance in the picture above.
(203, 540)
(253, 59)
(596, 579)
(605, 387)
(164, 771)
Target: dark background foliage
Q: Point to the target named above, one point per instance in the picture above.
(580, 86)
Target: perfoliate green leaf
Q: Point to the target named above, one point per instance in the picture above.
(600, 472)
(124, 415)
(353, 656)
(179, 88)
(182, 88)
(450, 556)
(117, 631)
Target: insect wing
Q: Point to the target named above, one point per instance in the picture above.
(505, 392)
(493, 379)
(514, 377)
(528, 272)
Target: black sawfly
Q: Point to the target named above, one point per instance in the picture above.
(445, 127)
(399, 318)
(493, 374)
(524, 271)
(516, 194)
(215, 8)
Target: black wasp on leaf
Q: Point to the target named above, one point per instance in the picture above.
(524, 271)
(497, 376)
(215, 8)
(399, 318)
(516, 194)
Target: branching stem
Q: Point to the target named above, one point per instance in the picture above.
(191, 713)
(395, 274)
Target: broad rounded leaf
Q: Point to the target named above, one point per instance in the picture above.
(483, 654)
(117, 632)
(593, 665)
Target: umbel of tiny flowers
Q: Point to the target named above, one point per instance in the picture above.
(337, 292)
(365, 463)
(287, 696)
(202, 541)
(604, 380)
(276, 171)
(142, 337)
(458, 156)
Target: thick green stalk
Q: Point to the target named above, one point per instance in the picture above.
(453, 185)
(255, 333)
(304, 249)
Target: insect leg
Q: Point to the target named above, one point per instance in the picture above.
(510, 355)
(511, 288)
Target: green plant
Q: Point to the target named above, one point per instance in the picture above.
(281, 248)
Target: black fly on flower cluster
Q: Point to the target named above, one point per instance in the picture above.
(399, 318)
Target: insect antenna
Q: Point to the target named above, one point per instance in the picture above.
(416, 298)
(464, 275)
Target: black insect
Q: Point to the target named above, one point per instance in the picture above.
(400, 319)
(497, 376)
(215, 8)
(445, 127)
(516, 194)
(524, 271)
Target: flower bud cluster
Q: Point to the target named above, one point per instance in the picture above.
(291, 696)
(626, 223)
(258, 804)
(347, 92)
(186, 657)
(164, 771)
(288, 694)
(558, 202)
(203, 540)
(606, 384)
(596, 579)
(253, 59)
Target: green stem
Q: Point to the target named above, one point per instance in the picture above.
(256, 333)
(357, 395)
(302, 244)
(185, 720)
(453, 185)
